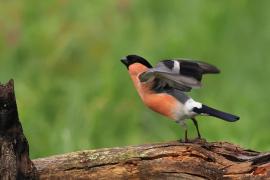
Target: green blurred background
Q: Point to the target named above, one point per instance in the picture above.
(73, 93)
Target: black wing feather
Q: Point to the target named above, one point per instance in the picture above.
(191, 69)
(196, 69)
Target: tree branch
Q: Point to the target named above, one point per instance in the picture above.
(199, 160)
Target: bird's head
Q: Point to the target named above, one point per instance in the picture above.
(136, 64)
(132, 59)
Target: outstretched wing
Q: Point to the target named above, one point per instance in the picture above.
(181, 74)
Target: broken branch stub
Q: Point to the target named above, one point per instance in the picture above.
(14, 148)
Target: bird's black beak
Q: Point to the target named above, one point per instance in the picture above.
(124, 61)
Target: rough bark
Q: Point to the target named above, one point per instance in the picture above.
(172, 160)
(14, 150)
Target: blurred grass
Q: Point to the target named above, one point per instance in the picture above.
(73, 93)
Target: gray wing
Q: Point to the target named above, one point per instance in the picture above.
(181, 74)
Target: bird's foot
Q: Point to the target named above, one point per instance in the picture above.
(196, 140)
(184, 140)
(199, 140)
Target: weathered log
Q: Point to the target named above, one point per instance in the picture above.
(14, 150)
(172, 160)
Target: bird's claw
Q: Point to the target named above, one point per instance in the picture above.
(196, 140)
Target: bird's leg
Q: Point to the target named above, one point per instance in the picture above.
(186, 138)
(196, 125)
(183, 124)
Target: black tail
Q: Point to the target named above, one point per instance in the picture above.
(216, 113)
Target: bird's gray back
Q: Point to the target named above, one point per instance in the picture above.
(179, 95)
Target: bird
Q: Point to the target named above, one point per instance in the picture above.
(164, 88)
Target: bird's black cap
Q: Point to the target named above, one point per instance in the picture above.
(131, 59)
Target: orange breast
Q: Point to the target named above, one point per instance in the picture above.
(162, 103)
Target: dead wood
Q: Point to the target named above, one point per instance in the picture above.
(172, 160)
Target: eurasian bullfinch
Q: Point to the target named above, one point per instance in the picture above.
(163, 88)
